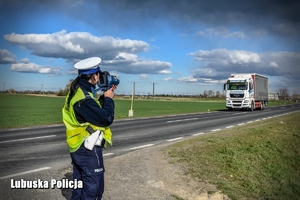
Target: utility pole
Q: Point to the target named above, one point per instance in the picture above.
(42, 88)
(130, 113)
(133, 91)
(153, 92)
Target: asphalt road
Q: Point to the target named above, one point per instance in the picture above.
(40, 153)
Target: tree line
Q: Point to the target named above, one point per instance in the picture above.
(283, 93)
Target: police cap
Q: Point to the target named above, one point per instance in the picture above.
(88, 66)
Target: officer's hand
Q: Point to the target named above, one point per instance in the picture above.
(113, 87)
(110, 93)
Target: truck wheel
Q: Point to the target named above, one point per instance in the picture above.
(252, 106)
(262, 105)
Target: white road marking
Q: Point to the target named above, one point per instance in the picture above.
(198, 134)
(33, 138)
(108, 154)
(249, 122)
(179, 138)
(229, 126)
(26, 172)
(215, 130)
(181, 120)
(140, 147)
(241, 124)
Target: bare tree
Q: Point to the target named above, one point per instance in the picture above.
(64, 92)
(283, 93)
(211, 93)
(218, 94)
(205, 93)
(12, 91)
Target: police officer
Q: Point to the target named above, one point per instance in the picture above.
(85, 116)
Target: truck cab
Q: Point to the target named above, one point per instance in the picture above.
(246, 91)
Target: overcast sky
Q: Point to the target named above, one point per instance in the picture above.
(183, 46)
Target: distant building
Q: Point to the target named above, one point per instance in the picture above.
(274, 96)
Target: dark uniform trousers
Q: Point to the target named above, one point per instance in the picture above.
(88, 167)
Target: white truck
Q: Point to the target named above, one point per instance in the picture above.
(246, 91)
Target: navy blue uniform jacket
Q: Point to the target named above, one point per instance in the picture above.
(89, 111)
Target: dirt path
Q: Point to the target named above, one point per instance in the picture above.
(148, 174)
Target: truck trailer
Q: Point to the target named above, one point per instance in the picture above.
(246, 91)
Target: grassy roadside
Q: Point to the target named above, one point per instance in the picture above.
(256, 161)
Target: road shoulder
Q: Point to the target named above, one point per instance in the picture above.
(148, 174)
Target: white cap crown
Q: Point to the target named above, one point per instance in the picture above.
(88, 66)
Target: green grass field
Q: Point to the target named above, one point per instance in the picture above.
(256, 161)
(146, 108)
(28, 110)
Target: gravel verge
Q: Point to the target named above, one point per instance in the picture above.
(148, 174)
(137, 175)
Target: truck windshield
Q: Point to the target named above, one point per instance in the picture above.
(237, 86)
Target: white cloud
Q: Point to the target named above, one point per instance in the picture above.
(243, 57)
(131, 64)
(189, 79)
(216, 62)
(280, 64)
(34, 68)
(167, 79)
(75, 45)
(164, 72)
(203, 81)
(123, 57)
(236, 34)
(6, 57)
(206, 72)
(116, 54)
(273, 64)
(221, 32)
(226, 56)
(73, 71)
(24, 60)
(143, 76)
(217, 65)
(211, 81)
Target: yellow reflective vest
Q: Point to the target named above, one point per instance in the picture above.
(76, 132)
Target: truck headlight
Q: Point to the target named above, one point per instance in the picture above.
(228, 101)
(246, 101)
